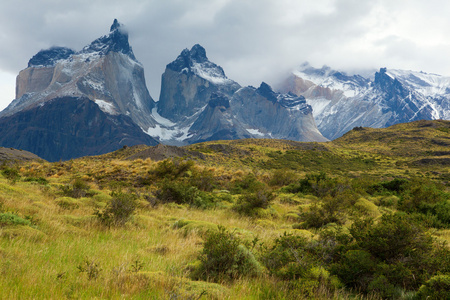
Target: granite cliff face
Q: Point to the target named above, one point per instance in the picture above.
(106, 71)
(68, 127)
(69, 104)
(188, 83)
(74, 103)
(199, 103)
(341, 102)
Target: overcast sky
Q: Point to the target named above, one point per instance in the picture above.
(253, 40)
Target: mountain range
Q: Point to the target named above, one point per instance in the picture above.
(341, 102)
(75, 103)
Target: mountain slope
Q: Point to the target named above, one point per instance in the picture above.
(199, 103)
(66, 128)
(341, 102)
(70, 104)
(106, 71)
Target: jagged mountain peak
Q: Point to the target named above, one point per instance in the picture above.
(49, 57)
(196, 62)
(266, 91)
(115, 25)
(198, 53)
(383, 98)
(116, 41)
(188, 58)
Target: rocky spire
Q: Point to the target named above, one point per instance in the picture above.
(115, 25)
(116, 41)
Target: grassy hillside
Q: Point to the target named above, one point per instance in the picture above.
(366, 216)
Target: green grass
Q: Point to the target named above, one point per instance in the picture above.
(53, 234)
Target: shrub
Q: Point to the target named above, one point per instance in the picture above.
(436, 288)
(394, 237)
(355, 269)
(247, 184)
(172, 168)
(11, 174)
(395, 186)
(90, 267)
(204, 180)
(288, 259)
(283, 177)
(249, 203)
(183, 193)
(224, 257)
(329, 210)
(383, 287)
(119, 210)
(8, 219)
(39, 180)
(419, 193)
(77, 190)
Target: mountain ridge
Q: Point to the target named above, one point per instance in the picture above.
(341, 102)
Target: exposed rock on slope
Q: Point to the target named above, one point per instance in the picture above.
(70, 104)
(66, 128)
(199, 103)
(12, 155)
(106, 71)
(188, 83)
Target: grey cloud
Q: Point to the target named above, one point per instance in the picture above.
(253, 40)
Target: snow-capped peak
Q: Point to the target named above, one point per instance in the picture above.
(195, 61)
(116, 41)
(326, 77)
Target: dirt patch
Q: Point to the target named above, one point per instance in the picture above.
(162, 152)
(13, 155)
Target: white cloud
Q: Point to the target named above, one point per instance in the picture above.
(253, 40)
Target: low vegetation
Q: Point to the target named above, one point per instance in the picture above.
(364, 217)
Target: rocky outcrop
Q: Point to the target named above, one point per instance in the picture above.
(70, 104)
(68, 127)
(106, 72)
(199, 103)
(188, 83)
(255, 113)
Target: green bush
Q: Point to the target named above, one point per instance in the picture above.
(247, 184)
(77, 190)
(39, 180)
(282, 177)
(287, 258)
(224, 257)
(418, 193)
(394, 186)
(204, 180)
(10, 219)
(355, 269)
(183, 193)
(11, 174)
(119, 210)
(387, 256)
(329, 210)
(249, 203)
(383, 287)
(394, 237)
(172, 168)
(436, 288)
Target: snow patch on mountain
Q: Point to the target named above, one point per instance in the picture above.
(213, 74)
(255, 132)
(106, 107)
(341, 102)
